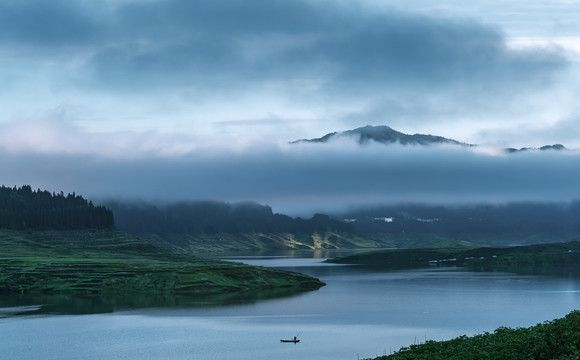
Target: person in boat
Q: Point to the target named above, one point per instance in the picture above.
(289, 341)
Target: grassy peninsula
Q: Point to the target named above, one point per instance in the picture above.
(557, 339)
(107, 261)
(56, 244)
(514, 258)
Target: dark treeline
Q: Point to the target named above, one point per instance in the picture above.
(518, 219)
(208, 217)
(23, 208)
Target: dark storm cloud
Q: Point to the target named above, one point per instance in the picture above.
(307, 178)
(220, 18)
(198, 62)
(47, 23)
(210, 43)
(345, 47)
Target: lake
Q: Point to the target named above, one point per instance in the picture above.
(359, 314)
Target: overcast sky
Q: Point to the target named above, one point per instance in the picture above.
(180, 99)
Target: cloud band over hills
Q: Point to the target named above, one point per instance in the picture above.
(180, 99)
(310, 177)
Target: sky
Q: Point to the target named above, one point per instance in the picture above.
(197, 100)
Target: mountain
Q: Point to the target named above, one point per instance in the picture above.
(211, 226)
(385, 135)
(416, 225)
(557, 147)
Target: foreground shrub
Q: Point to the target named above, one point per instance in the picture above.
(556, 339)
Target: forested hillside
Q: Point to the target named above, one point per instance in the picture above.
(56, 244)
(23, 208)
(202, 226)
(210, 217)
(424, 225)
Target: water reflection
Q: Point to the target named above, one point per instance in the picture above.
(360, 312)
(70, 304)
(342, 280)
(288, 253)
(559, 271)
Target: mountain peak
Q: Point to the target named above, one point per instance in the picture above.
(557, 147)
(385, 135)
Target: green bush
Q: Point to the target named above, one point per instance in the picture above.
(557, 339)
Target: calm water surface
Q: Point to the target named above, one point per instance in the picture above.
(359, 313)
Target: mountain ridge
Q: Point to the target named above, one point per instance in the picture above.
(383, 134)
(386, 135)
(213, 226)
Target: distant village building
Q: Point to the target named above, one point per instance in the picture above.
(385, 219)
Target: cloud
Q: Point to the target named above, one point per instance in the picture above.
(55, 134)
(216, 45)
(47, 24)
(563, 131)
(193, 64)
(186, 72)
(310, 177)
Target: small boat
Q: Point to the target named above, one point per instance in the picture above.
(295, 341)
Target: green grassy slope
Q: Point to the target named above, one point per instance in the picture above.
(557, 339)
(260, 241)
(439, 240)
(111, 262)
(492, 257)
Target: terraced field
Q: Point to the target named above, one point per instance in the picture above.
(111, 262)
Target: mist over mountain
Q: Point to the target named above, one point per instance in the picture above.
(421, 225)
(383, 134)
(557, 147)
(200, 226)
(213, 217)
(386, 135)
(209, 226)
(306, 178)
